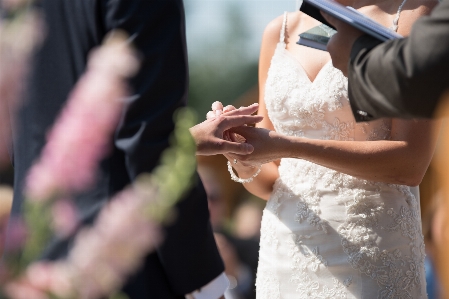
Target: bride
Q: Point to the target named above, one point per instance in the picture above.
(342, 218)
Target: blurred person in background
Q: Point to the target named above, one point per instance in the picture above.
(215, 199)
(241, 280)
(433, 227)
(247, 219)
(239, 254)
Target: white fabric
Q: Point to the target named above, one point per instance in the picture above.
(213, 290)
(326, 234)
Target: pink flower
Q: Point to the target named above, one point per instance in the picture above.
(65, 217)
(17, 234)
(83, 132)
(104, 255)
(22, 289)
(52, 277)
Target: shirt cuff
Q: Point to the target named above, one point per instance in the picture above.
(213, 290)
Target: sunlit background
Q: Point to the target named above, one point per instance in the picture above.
(223, 38)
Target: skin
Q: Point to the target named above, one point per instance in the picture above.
(208, 135)
(401, 160)
(340, 45)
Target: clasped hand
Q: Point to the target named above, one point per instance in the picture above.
(261, 140)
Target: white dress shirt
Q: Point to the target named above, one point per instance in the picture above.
(213, 290)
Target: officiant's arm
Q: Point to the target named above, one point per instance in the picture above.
(400, 78)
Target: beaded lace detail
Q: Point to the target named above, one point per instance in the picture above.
(326, 234)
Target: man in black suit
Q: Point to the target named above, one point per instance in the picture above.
(188, 262)
(400, 78)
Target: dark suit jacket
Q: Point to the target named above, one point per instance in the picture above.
(402, 78)
(188, 259)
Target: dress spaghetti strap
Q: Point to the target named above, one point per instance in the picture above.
(284, 26)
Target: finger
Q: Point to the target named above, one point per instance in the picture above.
(227, 136)
(238, 137)
(228, 108)
(242, 131)
(244, 110)
(210, 115)
(218, 112)
(217, 105)
(329, 18)
(237, 148)
(233, 137)
(240, 120)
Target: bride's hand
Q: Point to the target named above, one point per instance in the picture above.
(243, 169)
(268, 146)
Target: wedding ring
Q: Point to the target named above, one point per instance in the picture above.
(235, 161)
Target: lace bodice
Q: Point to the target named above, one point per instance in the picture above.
(326, 234)
(319, 109)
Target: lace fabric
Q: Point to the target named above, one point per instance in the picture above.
(326, 234)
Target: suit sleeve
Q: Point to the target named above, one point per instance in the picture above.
(189, 255)
(402, 78)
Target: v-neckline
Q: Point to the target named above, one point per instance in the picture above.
(302, 67)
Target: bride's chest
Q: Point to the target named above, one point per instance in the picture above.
(319, 109)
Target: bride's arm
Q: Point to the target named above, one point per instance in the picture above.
(402, 160)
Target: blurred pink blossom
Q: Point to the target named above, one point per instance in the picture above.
(51, 277)
(82, 134)
(65, 217)
(106, 254)
(17, 234)
(24, 290)
(103, 256)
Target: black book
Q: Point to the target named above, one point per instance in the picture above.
(348, 15)
(317, 37)
(315, 13)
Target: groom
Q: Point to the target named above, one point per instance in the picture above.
(188, 263)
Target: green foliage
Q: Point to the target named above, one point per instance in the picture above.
(223, 70)
(173, 177)
(118, 296)
(38, 221)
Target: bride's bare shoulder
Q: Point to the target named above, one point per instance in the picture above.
(420, 7)
(412, 11)
(273, 29)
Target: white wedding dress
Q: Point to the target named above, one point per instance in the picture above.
(326, 234)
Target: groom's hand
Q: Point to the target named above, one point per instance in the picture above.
(208, 135)
(340, 44)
